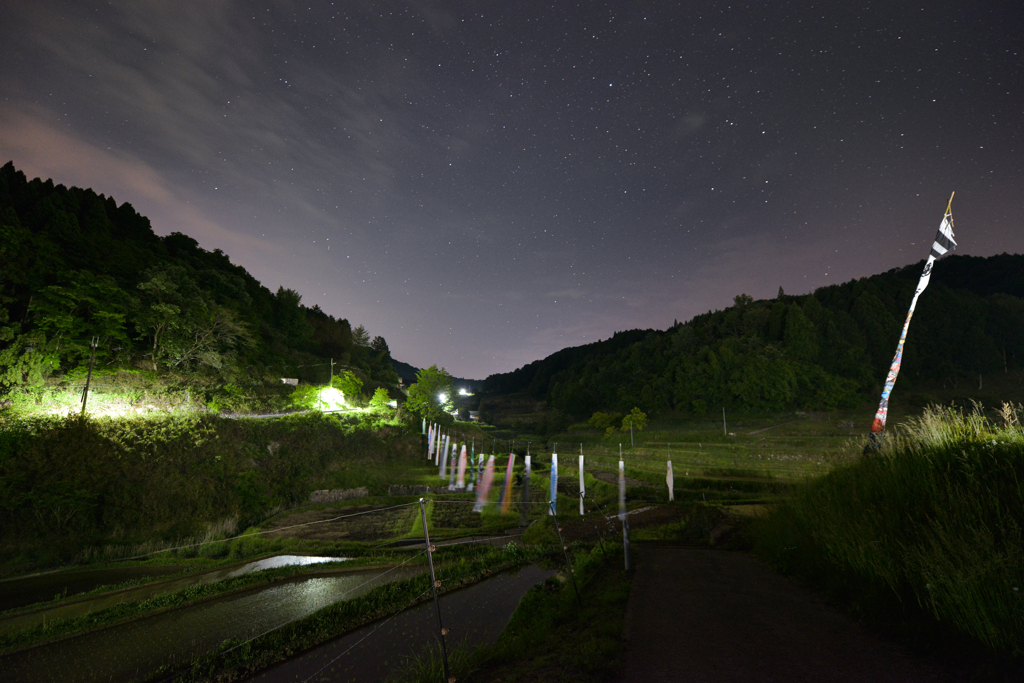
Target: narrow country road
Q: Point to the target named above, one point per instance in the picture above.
(710, 616)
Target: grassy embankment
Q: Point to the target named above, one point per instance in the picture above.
(933, 526)
(76, 490)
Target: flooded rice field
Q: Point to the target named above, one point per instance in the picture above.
(29, 590)
(131, 651)
(104, 577)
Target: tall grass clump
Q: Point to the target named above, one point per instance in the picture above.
(936, 520)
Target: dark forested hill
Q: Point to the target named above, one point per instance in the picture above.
(76, 265)
(823, 350)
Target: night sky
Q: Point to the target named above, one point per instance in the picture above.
(484, 183)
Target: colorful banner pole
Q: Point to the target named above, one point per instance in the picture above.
(527, 467)
(583, 487)
(943, 243)
(553, 496)
(622, 508)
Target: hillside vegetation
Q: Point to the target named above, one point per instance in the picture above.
(75, 265)
(821, 351)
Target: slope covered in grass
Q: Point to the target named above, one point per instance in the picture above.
(68, 485)
(937, 521)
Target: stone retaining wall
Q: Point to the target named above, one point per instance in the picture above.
(334, 495)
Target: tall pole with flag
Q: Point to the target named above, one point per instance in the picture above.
(943, 243)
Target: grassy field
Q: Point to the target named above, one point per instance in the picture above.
(755, 461)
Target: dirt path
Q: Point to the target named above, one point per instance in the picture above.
(707, 615)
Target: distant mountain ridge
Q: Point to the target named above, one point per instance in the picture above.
(827, 349)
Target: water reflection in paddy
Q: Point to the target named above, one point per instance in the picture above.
(282, 561)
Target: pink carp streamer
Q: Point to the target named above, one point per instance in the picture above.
(460, 480)
(485, 485)
(506, 491)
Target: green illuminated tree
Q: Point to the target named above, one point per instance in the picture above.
(637, 418)
(380, 400)
(164, 295)
(211, 340)
(348, 384)
(431, 395)
(83, 305)
(186, 328)
(603, 421)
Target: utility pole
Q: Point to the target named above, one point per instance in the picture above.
(725, 430)
(330, 382)
(88, 377)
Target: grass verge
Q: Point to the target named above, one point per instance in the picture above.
(932, 527)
